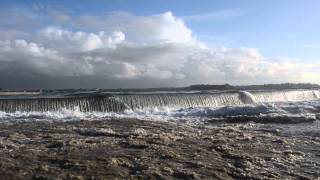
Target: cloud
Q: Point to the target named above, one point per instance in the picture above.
(79, 41)
(124, 50)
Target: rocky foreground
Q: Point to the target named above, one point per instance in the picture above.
(136, 149)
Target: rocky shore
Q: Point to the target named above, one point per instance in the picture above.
(136, 149)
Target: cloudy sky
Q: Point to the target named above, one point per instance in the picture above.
(142, 43)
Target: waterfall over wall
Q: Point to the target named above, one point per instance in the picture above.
(180, 100)
(214, 100)
(282, 96)
(118, 103)
(84, 104)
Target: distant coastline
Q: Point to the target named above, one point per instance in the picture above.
(194, 87)
(205, 87)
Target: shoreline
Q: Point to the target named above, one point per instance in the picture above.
(138, 149)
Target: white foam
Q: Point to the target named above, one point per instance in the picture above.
(196, 114)
(316, 94)
(247, 97)
(285, 96)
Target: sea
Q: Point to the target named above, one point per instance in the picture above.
(297, 111)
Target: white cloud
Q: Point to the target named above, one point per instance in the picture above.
(80, 41)
(144, 50)
(160, 28)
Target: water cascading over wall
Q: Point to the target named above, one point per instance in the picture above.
(135, 102)
(118, 103)
(283, 96)
(84, 104)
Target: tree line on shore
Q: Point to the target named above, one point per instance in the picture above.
(195, 87)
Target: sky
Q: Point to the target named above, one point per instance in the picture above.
(143, 43)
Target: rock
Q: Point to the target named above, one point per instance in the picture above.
(245, 137)
(298, 153)
(222, 148)
(121, 162)
(207, 138)
(44, 168)
(168, 170)
(95, 131)
(76, 177)
(218, 141)
(280, 141)
(164, 139)
(135, 144)
(169, 155)
(159, 150)
(140, 132)
(186, 175)
(54, 144)
(17, 136)
(290, 155)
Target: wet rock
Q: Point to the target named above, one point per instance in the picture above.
(294, 152)
(140, 132)
(54, 144)
(293, 155)
(186, 175)
(17, 137)
(219, 141)
(244, 165)
(44, 168)
(155, 150)
(271, 175)
(168, 170)
(196, 164)
(76, 177)
(167, 154)
(245, 137)
(208, 138)
(164, 138)
(222, 148)
(136, 144)
(121, 162)
(280, 141)
(95, 131)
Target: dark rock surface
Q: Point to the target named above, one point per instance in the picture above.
(136, 149)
